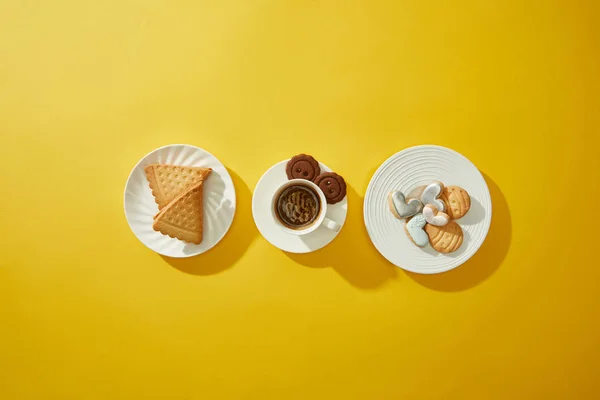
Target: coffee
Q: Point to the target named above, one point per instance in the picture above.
(297, 206)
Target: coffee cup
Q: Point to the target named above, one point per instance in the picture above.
(299, 206)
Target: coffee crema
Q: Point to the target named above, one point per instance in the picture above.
(297, 206)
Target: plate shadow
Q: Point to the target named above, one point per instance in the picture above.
(351, 253)
(232, 247)
(487, 260)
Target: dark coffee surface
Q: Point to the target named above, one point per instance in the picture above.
(297, 206)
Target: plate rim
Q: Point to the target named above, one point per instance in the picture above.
(370, 189)
(234, 203)
(275, 165)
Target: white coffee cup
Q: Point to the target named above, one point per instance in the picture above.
(320, 220)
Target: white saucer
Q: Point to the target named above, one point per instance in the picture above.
(269, 227)
(414, 167)
(219, 201)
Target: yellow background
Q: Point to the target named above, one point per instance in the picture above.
(89, 87)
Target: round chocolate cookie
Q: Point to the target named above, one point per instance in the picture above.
(303, 166)
(333, 186)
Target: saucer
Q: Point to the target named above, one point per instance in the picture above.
(270, 228)
(406, 170)
(219, 201)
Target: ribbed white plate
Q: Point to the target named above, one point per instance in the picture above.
(414, 167)
(219, 201)
(269, 226)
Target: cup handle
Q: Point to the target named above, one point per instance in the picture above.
(330, 224)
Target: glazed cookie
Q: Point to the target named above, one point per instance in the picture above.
(457, 201)
(445, 239)
(402, 208)
(303, 166)
(435, 217)
(333, 186)
(428, 194)
(431, 193)
(414, 229)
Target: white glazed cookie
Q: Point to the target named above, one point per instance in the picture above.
(431, 193)
(400, 207)
(415, 231)
(435, 217)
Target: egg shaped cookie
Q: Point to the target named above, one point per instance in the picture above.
(457, 201)
(445, 239)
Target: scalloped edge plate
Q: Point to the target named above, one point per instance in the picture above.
(219, 201)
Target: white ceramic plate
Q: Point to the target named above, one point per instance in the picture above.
(414, 167)
(219, 201)
(269, 227)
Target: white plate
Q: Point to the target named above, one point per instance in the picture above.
(269, 227)
(414, 167)
(219, 201)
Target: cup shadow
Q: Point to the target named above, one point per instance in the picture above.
(232, 247)
(351, 254)
(489, 257)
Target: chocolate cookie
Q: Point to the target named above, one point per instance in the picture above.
(303, 166)
(333, 186)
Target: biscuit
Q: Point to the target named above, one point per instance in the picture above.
(182, 218)
(457, 201)
(435, 217)
(169, 181)
(431, 193)
(333, 186)
(445, 239)
(402, 208)
(303, 166)
(416, 193)
(414, 230)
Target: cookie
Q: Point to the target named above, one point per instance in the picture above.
(402, 208)
(445, 239)
(169, 181)
(431, 193)
(416, 193)
(303, 166)
(333, 186)
(457, 200)
(435, 217)
(182, 218)
(415, 232)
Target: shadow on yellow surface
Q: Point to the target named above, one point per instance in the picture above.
(234, 244)
(489, 257)
(351, 254)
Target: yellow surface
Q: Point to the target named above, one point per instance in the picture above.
(88, 87)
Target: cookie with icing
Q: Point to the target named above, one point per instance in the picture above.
(414, 229)
(303, 166)
(457, 201)
(333, 186)
(402, 208)
(445, 239)
(428, 194)
(435, 217)
(431, 195)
